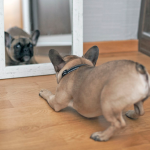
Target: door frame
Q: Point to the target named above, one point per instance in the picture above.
(143, 37)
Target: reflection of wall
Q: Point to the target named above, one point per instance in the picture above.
(108, 20)
(53, 16)
(12, 13)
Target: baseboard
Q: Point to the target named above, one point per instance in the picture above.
(113, 46)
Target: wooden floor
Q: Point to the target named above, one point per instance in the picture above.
(28, 123)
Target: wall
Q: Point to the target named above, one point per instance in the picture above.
(104, 20)
(53, 17)
(109, 20)
(12, 14)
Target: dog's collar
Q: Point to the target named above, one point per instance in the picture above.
(65, 72)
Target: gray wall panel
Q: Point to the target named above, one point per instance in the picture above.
(108, 20)
(54, 17)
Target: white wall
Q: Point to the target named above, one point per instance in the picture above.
(107, 20)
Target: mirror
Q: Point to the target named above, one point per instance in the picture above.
(33, 27)
(73, 41)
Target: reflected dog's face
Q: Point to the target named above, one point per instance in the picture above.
(20, 48)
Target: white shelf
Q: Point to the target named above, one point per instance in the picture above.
(55, 40)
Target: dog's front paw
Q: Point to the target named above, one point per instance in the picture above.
(131, 114)
(45, 94)
(99, 136)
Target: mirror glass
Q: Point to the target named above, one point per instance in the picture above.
(33, 27)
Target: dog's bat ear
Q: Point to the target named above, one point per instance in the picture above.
(35, 36)
(8, 39)
(56, 60)
(92, 54)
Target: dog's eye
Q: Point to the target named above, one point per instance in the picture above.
(30, 45)
(18, 46)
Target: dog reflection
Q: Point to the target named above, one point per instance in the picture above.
(19, 46)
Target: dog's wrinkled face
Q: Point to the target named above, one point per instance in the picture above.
(66, 62)
(20, 49)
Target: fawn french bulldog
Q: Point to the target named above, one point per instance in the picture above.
(103, 90)
(19, 46)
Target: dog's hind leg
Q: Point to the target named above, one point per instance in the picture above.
(138, 111)
(57, 102)
(116, 121)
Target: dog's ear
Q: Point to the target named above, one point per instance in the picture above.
(35, 36)
(8, 39)
(92, 54)
(56, 60)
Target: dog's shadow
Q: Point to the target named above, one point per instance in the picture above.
(97, 121)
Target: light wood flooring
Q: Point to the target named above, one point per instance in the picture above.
(28, 123)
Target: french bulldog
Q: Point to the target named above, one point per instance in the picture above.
(19, 46)
(102, 90)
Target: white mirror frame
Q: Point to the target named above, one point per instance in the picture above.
(45, 68)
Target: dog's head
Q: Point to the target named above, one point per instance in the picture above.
(64, 63)
(20, 48)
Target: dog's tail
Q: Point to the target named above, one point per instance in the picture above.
(142, 70)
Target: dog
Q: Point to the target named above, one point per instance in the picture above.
(19, 46)
(103, 90)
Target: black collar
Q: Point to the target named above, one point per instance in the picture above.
(65, 72)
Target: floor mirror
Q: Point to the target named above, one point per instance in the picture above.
(30, 28)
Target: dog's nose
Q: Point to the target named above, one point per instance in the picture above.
(26, 50)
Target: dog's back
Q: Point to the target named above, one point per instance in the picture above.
(120, 80)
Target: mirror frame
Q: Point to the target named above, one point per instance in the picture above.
(45, 68)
